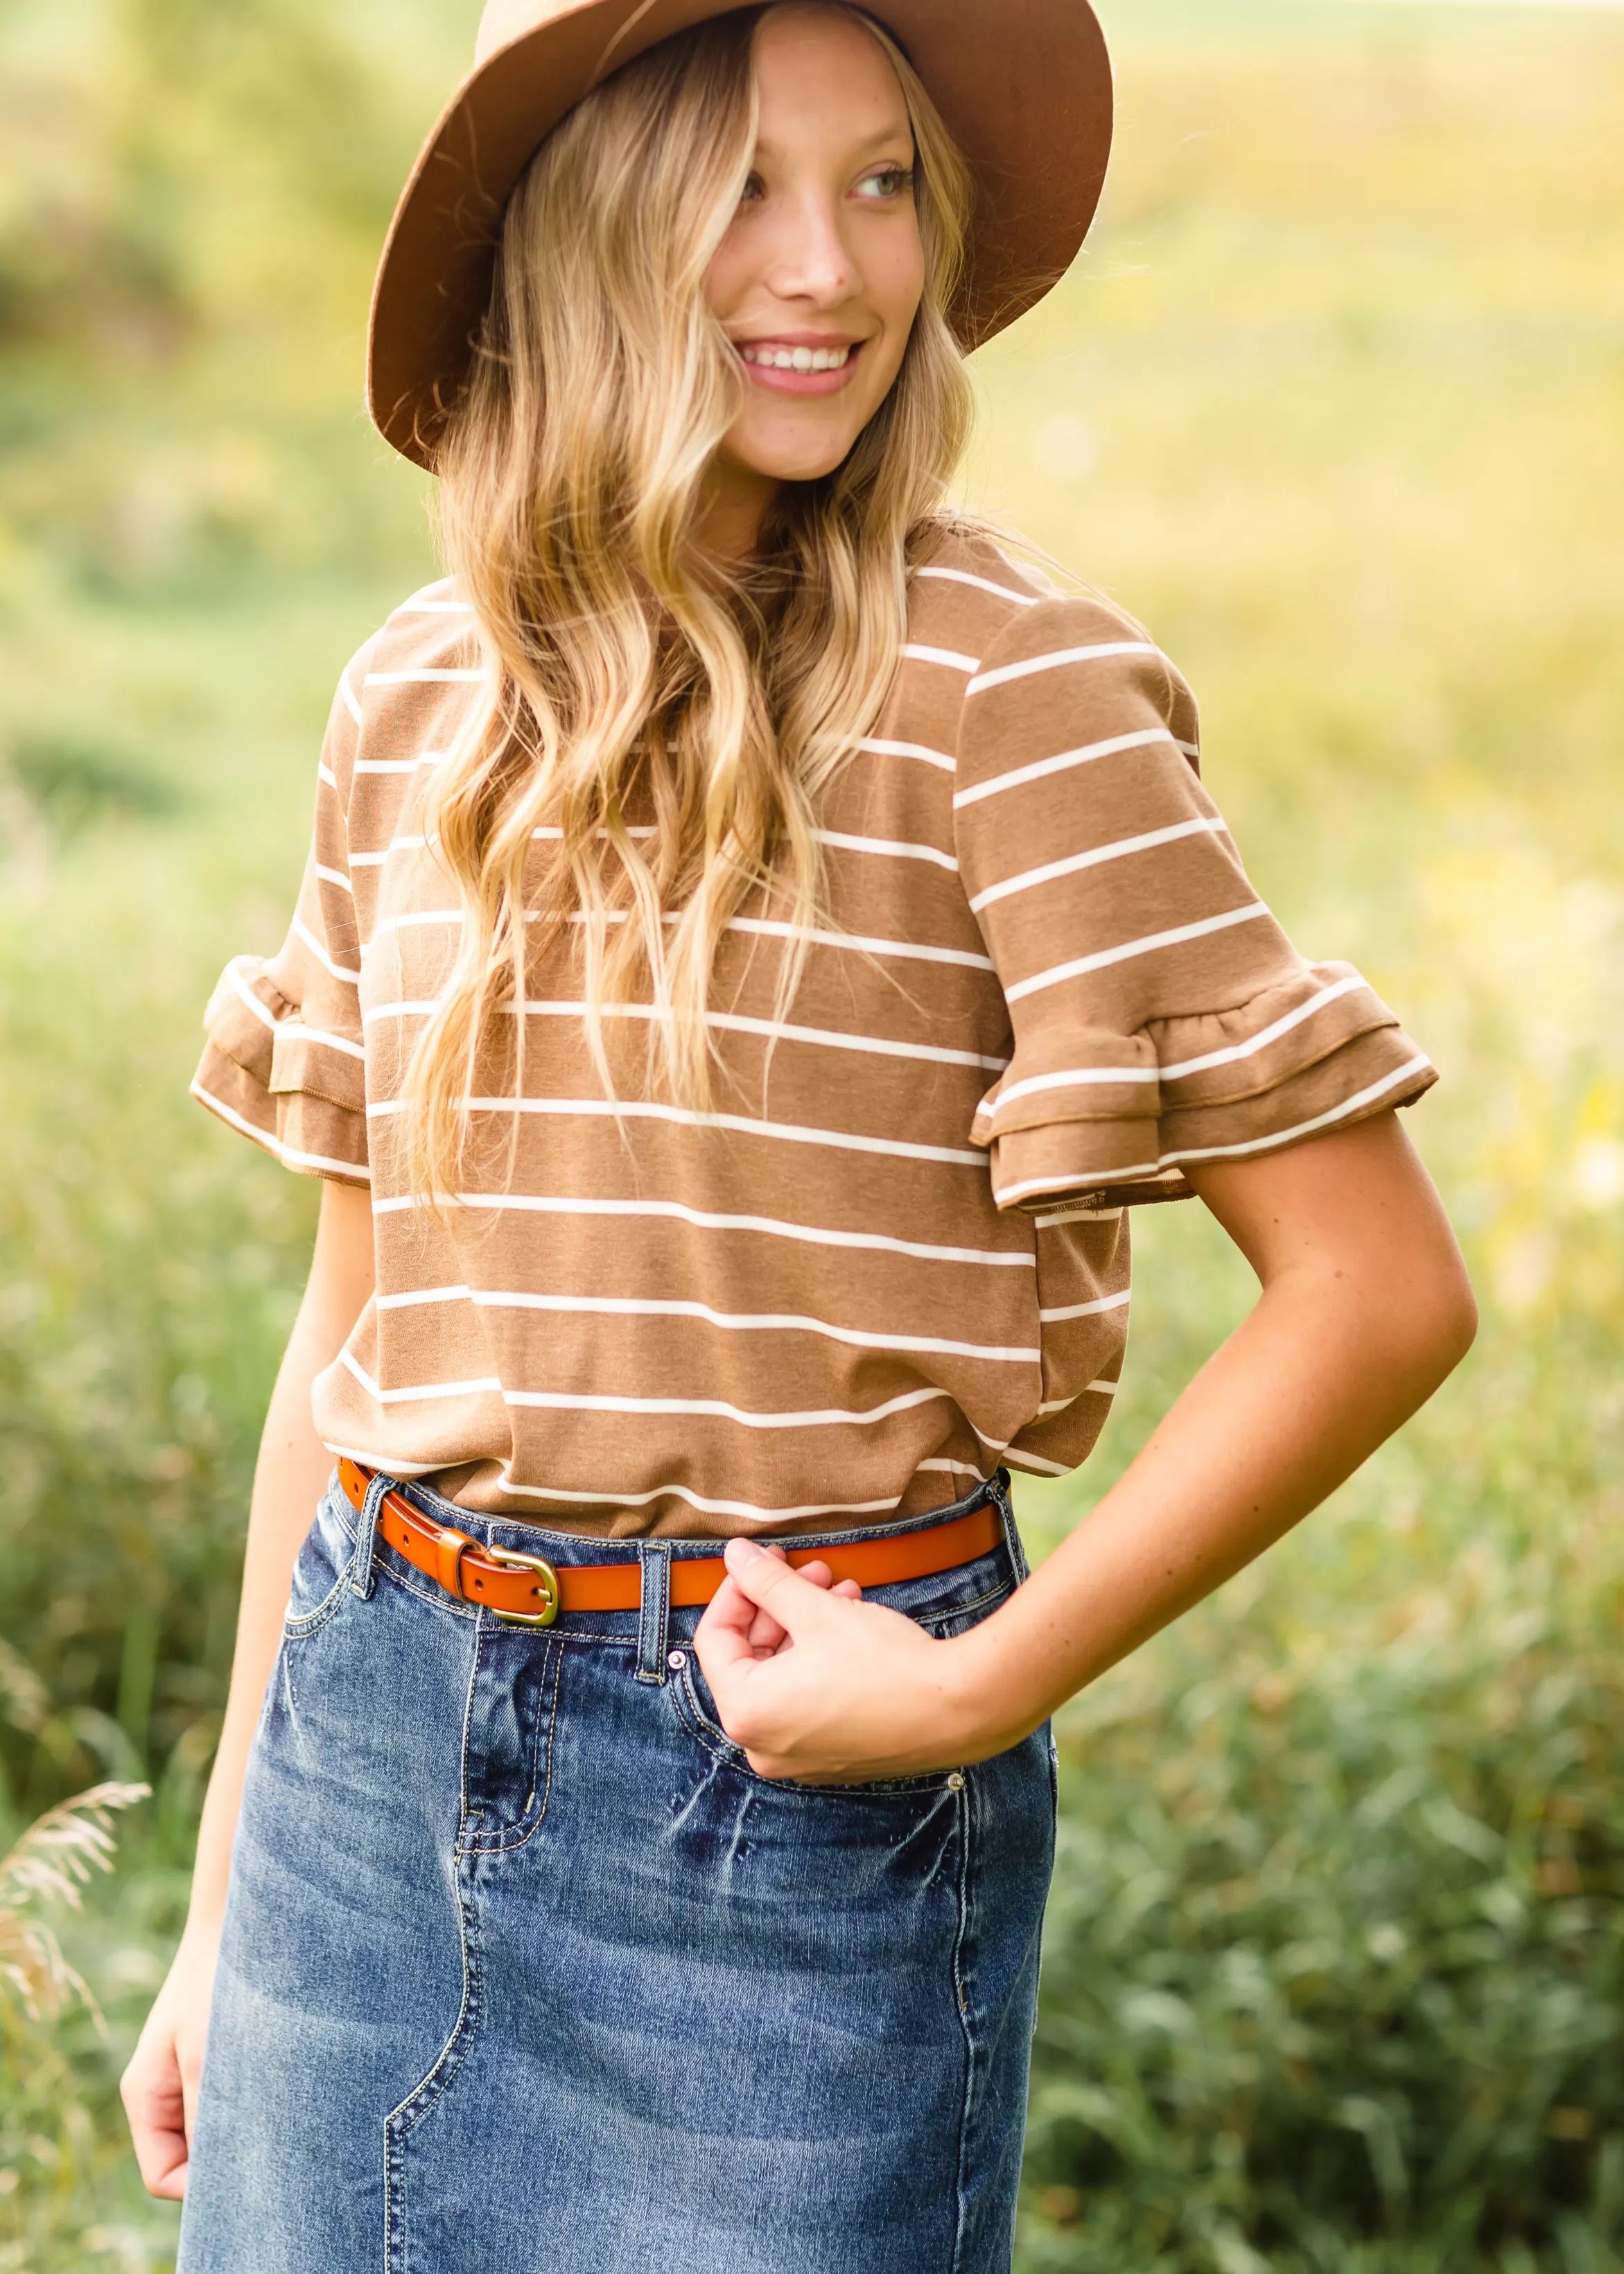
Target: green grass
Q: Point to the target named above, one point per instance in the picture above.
(1336, 402)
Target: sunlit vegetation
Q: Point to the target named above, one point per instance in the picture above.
(1335, 1970)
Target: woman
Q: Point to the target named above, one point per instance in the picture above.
(757, 943)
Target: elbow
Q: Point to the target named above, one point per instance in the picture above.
(1436, 1321)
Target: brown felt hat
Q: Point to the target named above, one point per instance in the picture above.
(1024, 86)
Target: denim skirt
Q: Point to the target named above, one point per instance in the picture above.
(525, 1971)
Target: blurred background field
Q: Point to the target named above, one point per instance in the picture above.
(1334, 1979)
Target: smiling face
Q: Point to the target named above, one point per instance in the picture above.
(820, 275)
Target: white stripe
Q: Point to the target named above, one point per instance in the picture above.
(1130, 948)
(731, 1022)
(350, 978)
(1065, 1215)
(398, 1010)
(286, 1154)
(1094, 1310)
(239, 987)
(420, 1391)
(1064, 1404)
(1117, 850)
(1018, 1459)
(1006, 1195)
(296, 1031)
(1190, 750)
(419, 605)
(891, 848)
(334, 877)
(878, 748)
(398, 765)
(981, 584)
(1306, 1128)
(745, 1508)
(1006, 671)
(395, 844)
(743, 1124)
(421, 678)
(325, 773)
(1148, 1169)
(1040, 767)
(1265, 1034)
(772, 1227)
(628, 1306)
(350, 704)
(771, 928)
(832, 1416)
(554, 836)
(421, 916)
(939, 1464)
(417, 1296)
(762, 925)
(916, 653)
(1079, 1078)
(390, 1464)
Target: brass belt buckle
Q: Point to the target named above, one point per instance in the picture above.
(548, 1590)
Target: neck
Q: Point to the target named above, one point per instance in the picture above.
(733, 504)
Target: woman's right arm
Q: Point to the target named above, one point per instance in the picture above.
(159, 2086)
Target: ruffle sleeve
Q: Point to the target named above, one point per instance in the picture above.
(1160, 1015)
(285, 1061)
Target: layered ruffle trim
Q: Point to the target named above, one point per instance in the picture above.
(298, 1090)
(1116, 1121)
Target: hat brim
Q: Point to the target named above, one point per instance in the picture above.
(1024, 86)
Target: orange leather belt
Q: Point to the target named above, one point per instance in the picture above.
(527, 1591)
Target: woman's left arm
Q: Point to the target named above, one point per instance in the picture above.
(1365, 1307)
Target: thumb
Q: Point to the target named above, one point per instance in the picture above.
(797, 1604)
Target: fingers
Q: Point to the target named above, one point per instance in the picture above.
(155, 2100)
(793, 1601)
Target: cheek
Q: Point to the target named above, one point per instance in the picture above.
(728, 280)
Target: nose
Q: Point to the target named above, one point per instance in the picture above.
(812, 260)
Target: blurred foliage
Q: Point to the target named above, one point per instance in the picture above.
(1333, 1979)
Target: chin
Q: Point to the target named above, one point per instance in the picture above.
(800, 459)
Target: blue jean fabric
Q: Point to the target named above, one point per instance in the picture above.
(525, 1970)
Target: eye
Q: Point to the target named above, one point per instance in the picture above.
(754, 190)
(885, 184)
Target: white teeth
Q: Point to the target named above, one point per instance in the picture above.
(775, 358)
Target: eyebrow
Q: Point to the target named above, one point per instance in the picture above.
(902, 133)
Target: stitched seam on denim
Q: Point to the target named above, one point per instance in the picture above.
(961, 1999)
(654, 1615)
(700, 1729)
(507, 1844)
(450, 1511)
(404, 2120)
(436, 1598)
(309, 1622)
(960, 1610)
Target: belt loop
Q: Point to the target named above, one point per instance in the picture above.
(655, 1557)
(998, 1491)
(362, 1565)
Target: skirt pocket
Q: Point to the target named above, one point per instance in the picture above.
(322, 1569)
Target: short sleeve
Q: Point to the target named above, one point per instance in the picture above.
(285, 1062)
(1160, 1015)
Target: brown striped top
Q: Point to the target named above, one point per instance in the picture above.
(893, 1252)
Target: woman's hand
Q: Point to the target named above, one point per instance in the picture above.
(817, 1685)
(1364, 1308)
(160, 2087)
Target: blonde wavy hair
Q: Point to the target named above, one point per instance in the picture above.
(623, 673)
